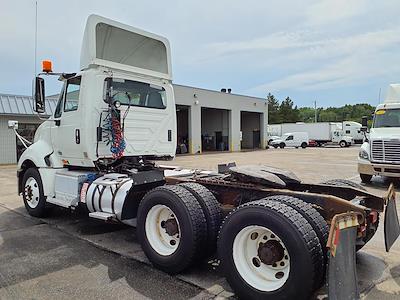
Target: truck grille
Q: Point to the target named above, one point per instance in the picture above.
(386, 151)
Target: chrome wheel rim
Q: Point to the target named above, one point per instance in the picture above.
(31, 192)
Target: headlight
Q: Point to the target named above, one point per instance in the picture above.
(363, 154)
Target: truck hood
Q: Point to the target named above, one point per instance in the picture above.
(277, 141)
(384, 133)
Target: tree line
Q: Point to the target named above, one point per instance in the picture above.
(286, 112)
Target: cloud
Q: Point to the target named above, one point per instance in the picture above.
(297, 47)
(348, 61)
(330, 11)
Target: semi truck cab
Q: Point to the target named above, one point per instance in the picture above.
(380, 152)
(119, 106)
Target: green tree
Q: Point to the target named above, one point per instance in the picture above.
(273, 110)
(287, 113)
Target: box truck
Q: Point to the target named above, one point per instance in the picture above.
(322, 133)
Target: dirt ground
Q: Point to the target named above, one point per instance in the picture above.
(39, 274)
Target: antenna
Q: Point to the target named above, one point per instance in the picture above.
(36, 29)
(379, 97)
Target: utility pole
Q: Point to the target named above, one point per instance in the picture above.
(315, 110)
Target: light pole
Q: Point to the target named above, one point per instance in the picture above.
(315, 111)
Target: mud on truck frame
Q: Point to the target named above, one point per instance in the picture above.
(275, 236)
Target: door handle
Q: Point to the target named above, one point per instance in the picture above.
(77, 136)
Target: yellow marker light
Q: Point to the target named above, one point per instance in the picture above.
(47, 66)
(380, 112)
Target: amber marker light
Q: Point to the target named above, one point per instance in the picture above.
(47, 66)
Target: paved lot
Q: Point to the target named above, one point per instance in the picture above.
(70, 256)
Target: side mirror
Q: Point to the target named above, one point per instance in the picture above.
(364, 124)
(39, 96)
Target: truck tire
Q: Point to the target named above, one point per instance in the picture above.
(212, 211)
(342, 144)
(344, 183)
(32, 193)
(371, 230)
(263, 239)
(365, 178)
(282, 145)
(171, 228)
(276, 146)
(304, 145)
(316, 221)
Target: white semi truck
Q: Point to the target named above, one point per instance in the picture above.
(322, 132)
(352, 129)
(380, 152)
(116, 116)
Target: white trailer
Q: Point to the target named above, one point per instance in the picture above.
(117, 115)
(322, 132)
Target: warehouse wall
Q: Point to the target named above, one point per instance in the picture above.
(8, 152)
(197, 98)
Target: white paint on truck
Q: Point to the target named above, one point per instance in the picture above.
(139, 64)
(380, 153)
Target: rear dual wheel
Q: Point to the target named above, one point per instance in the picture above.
(177, 225)
(171, 228)
(268, 250)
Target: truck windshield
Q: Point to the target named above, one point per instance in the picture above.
(387, 118)
(136, 93)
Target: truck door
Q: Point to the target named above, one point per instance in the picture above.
(289, 141)
(336, 137)
(65, 131)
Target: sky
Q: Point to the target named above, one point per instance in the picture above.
(335, 52)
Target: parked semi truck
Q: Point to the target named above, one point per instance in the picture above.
(352, 129)
(115, 119)
(322, 133)
(380, 152)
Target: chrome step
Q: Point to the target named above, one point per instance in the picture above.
(102, 215)
(59, 202)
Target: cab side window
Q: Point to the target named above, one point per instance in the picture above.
(72, 94)
(58, 111)
(290, 138)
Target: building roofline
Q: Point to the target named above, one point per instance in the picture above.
(15, 95)
(214, 91)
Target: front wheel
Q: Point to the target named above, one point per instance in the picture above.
(304, 145)
(269, 251)
(32, 193)
(282, 145)
(342, 144)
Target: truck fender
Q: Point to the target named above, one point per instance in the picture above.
(36, 153)
(33, 157)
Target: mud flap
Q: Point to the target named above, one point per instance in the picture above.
(342, 274)
(392, 227)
